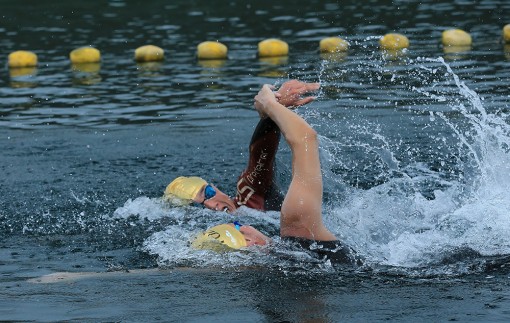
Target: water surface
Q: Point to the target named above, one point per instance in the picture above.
(414, 146)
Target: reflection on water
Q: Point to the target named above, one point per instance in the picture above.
(211, 63)
(273, 67)
(334, 57)
(86, 67)
(393, 55)
(273, 73)
(453, 53)
(23, 77)
(86, 73)
(22, 71)
(274, 61)
(148, 69)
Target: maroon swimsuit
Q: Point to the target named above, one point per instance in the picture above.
(255, 186)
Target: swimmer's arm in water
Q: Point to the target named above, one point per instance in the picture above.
(257, 179)
(253, 236)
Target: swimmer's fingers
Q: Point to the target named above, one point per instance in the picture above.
(267, 86)
(310, 87)
(291, 93)
(304, 101)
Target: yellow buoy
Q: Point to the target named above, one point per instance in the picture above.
(22, 58)
(149, 53)
(272, 48)
(211, 50)
(394, 42)
(85, 55)
(506, 33)
(456, 37)
(333, 45)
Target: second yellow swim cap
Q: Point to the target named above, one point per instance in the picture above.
(220, 238)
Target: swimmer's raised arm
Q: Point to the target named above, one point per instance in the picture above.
(256, 188)
(301, 213)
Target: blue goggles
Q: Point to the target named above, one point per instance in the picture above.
(209, 193)
(237, 225)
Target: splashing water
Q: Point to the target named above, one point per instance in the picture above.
(394, 223)
(172, 245)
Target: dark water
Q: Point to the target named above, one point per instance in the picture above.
(415, 151)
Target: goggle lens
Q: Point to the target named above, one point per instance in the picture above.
(209, 192)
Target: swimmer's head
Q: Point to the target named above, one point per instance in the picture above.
(223, 237)
(184, 188)
(228, 237)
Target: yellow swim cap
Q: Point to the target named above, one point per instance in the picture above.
(220, 238)
(185, 188)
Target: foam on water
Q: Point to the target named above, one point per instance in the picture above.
(172, 244)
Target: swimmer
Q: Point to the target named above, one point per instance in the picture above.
(301, 220)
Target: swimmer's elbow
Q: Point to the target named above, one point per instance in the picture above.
(303, 136)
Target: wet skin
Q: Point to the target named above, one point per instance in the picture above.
(253, 236)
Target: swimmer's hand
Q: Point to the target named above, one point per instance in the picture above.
(291, 93)
(264, 99)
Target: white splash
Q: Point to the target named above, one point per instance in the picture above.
(400, 227)
(143, 207)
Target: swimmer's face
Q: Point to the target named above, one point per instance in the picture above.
(219, 202)
(253, 236)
